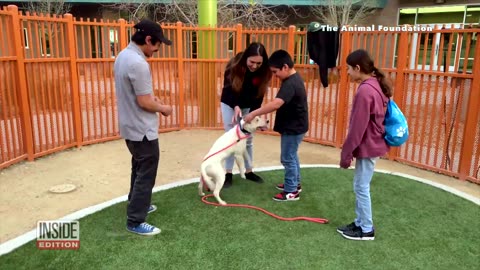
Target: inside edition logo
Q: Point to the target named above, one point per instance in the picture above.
(58, 234)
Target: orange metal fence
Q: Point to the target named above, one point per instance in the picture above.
(57, 87)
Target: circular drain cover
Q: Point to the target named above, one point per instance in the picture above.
(62, 188)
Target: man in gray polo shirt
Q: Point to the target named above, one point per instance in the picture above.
(138, 120)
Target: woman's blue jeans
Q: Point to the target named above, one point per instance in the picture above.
(227, 115)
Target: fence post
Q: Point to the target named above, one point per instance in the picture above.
(72, 51)
(291, 41)
(181, 77)
(399, 90)
(27, 129)
(122, 34)
(238, 46)
(343, 89)
(472, 118)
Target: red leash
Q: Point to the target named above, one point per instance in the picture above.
(316, 220)
(204, 198)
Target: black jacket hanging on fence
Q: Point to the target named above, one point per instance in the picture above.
(323, 46)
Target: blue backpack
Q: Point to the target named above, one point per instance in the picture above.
(396, 127)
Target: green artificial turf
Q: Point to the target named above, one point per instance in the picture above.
(417, 227)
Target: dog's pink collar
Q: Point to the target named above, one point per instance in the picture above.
(239, 138)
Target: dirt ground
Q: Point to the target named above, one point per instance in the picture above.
(102, 172)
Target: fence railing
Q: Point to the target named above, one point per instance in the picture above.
(57, 86)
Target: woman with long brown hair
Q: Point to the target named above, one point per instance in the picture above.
(245, 82)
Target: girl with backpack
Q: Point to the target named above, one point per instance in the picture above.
(365, 140)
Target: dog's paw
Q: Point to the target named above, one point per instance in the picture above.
(242, 175)
(222, 202)
(201, 194)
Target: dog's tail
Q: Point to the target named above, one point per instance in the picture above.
(205, 178)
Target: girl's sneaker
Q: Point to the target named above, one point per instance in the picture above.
(348, 227)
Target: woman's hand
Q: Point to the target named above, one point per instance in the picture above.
(237, 113)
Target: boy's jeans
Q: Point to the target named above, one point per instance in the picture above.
(227, 115)
(289, 158)
(361, 186)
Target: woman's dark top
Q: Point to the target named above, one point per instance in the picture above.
(247, 97)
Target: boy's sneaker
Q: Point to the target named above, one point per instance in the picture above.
(152, 208)
(283, 196)
(358, 234)
(144, 229)
(228, 180)
(281, 186)
(348, 227)
(253, 177)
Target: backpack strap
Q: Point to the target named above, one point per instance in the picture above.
(380, 93)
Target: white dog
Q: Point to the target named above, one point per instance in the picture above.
(233, 142)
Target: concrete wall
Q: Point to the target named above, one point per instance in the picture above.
(387, 16)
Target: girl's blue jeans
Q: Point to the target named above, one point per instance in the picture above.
(364, 168)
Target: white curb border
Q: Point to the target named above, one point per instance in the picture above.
(31, 235)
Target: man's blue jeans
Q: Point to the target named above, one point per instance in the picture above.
(361, 186)
(290, 161)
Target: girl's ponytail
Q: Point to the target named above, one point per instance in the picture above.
(362, 59)
(384, 83)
